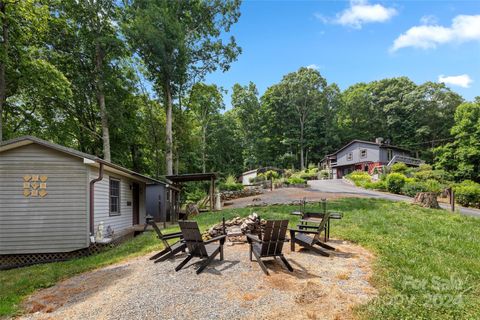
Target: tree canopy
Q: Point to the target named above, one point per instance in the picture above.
(109, 77)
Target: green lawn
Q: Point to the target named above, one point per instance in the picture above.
(427, 267)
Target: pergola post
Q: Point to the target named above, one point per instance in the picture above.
(212, 192)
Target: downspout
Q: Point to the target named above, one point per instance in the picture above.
(92, 198)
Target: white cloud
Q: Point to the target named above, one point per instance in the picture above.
(464, 28)
(313, 66)
(429, 19)
(462, 80)
(361, 12)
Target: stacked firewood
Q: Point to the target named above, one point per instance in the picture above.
(236, 228)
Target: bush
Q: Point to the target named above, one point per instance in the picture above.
(424, 167)
(259, 178)
(307, 175)
(195, 195)
(271, 174)
(434, 186)
(230, 187)
(438, 175)
(288, 173)
(395, 182)
(359, 178)
(312, 170)
(323, 174)
(412, 188)
(295, 180)
(376, 185)
(399, 167)
(230, 184)
(467, 193)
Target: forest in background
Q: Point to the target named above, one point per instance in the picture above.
(124, 80)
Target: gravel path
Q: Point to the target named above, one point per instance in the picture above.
(319, 288)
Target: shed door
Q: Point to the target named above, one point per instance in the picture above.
(135, 204)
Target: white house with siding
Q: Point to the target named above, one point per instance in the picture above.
(53, 198)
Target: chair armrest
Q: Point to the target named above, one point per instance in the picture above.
(300, 226)
(172, 235)
(336, 215)
(219, 238)
(302, 231)
(251, 237)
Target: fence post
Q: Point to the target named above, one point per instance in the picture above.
(451, 197)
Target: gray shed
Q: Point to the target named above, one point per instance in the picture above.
(162, 202)
(53, 198)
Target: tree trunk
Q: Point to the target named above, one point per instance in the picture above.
(302, 164)
(427, 200)
(136, 159)
(101, 102)
(204, 148)
(168, 129)
(3, 65)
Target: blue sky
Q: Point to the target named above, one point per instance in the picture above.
(358, 41)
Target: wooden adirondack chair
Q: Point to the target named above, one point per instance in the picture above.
(270, 244)
(169, 250)
(197, 247)
(301, 236)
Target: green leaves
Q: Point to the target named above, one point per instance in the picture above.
(462, 156)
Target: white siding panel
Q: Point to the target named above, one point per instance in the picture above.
(55, 223)
(102, 210)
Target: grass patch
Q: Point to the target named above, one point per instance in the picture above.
(428, 264)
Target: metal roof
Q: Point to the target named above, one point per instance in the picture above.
(25, 140)
(192, 177)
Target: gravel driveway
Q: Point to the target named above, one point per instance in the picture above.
(319, 288)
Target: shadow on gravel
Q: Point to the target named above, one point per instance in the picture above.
(76, 289)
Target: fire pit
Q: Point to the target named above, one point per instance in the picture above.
(236, 228)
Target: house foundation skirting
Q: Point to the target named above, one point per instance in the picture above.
(10, 261)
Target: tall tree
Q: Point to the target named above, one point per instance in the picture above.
(304, 91)
(181, 41)
(246, 109)
(23, 25)
(97, 21)
(205, 103)
(462, 156)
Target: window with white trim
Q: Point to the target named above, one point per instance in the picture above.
(350, 156)
(363, 153)
(114, 197)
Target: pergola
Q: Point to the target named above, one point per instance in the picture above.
(179, 179)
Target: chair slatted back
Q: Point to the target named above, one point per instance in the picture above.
(274, 237)
(193, 238)
(321, 226)
(159, 234)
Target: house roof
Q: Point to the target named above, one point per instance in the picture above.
(381, 145)
(26, 140)
(192, 177)
(249, 171)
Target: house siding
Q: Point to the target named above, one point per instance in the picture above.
(124, 220)
(57, 222)
(373, 154)
(246, 176)
(384, 154)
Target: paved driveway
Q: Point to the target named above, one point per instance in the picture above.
(341, 187)
(327, 189)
